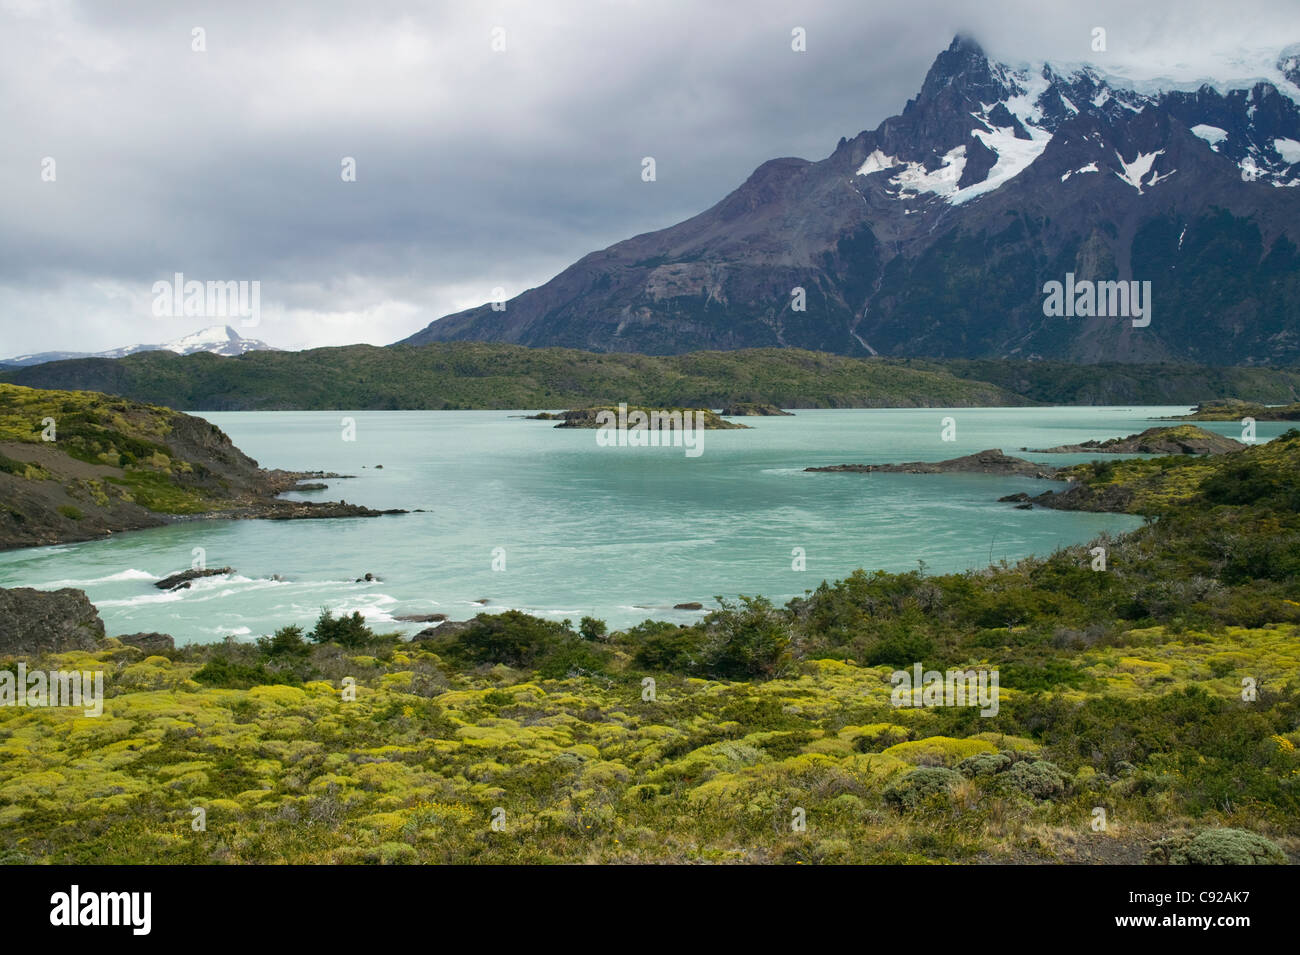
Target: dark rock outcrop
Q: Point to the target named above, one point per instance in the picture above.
(1111, 498)
(150, 643)
(442, 630)
(281, 510)
(177, 581)
(47, 621)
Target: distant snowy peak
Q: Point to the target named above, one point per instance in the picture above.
(978, 124)
(215, 339)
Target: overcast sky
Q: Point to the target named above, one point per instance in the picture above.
(474, 168)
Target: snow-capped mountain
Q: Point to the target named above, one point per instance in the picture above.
(1017, 112)
(215, 339)
(935, 233)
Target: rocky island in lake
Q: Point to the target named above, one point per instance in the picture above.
(636, 416)
(991, 461)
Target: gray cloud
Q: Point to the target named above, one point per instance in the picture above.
(475, 168)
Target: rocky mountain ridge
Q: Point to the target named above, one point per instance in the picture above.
(933, 234)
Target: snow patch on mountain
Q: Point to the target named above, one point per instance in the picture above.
(877, 162)
(1288, 149)
(915, 178)
(1014, 157)
(1211, 134)
(1032, 84)
(1091, 167)
(1135, 171)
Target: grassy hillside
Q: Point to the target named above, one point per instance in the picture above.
(112, 464)
(482, 375)
(1121, 690)
(478, 375)
(1056, 382)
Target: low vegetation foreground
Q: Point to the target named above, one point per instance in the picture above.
(1148, 712)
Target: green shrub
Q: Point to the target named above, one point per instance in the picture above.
(983, 764)
(286, 642)
(512, 638)
(350, 632)
(498, 698)
(746, 641)
(1039, 780)
(226, 673)
(1218, 847)
(672, 649)
(898, 649)
(920, 785)
(572, 657)
(71, 513)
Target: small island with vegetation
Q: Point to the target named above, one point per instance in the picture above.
(637, 416)
(990, 461)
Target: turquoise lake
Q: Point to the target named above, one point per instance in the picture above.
(616, 533)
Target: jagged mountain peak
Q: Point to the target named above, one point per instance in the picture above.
(933, 233)
(933, 147)
(964, 64)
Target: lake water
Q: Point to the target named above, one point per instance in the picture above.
(617, 533)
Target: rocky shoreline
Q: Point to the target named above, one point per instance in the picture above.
(750, 409)
(35, 622)
(1078, 496)
(990, 461)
